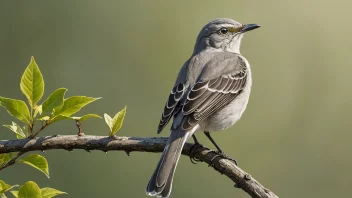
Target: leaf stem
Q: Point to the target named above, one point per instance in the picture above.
(78, 124)
(41, 129)
(12, 161)
(30, 128)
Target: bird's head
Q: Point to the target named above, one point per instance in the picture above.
(223, 35)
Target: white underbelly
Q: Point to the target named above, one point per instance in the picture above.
(227, 116)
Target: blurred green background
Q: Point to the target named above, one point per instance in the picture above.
(294, 137)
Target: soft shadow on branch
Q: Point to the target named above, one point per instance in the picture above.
(128, 144)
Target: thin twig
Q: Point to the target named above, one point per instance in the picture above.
(78, 124)
(227, 167)
(12, 161)
(40, 130)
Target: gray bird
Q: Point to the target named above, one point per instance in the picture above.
(210, 94)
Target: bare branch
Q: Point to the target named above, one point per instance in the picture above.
(128, 144)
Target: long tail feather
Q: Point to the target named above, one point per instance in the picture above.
(160, 183)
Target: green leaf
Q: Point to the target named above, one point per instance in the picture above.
(38, 109)
(74, 104)
(14, 193)
(37, 161)
(50, 192)
(116, 123)
(44, 118)
(17, 129)
(29, 190)
(118, 120)
(57, 118)
(17, 109)
(26, 130)
(5, 157)
(83, 118)
(108, 121)
(32, 83)
(5, 187)
(55, 100)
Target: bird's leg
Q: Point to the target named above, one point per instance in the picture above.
(220, 152)
(195, 146)
(195, 139)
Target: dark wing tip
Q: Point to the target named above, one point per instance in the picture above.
(159, 130)
(171, 104)
(162, 125)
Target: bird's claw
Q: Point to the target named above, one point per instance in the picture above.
(222, 154)
(212, 159)
(194, 148)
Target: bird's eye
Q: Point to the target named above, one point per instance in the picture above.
(224, 30)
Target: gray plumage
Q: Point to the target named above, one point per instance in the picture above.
(210, 94)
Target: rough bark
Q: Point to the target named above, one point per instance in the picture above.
(130, 144)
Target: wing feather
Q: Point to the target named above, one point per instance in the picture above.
(171, 105)
(221, 80)
(214, 97)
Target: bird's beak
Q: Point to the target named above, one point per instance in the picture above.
(249, 27)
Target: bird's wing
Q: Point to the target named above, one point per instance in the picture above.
(222, 80)
(172, 104)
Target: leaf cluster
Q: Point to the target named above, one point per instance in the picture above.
(28, 190)
(53, 109)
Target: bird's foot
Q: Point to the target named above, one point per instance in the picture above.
(223, 155)
(194, 148)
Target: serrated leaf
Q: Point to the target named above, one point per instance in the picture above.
(37, 161)
(17, 129)
(83, 118)
(5, 187)
(5, 157)
(74, 104)
(17, 109)
(50, 192)
(32, 83)
(55, 100)
(29, 190)
(14, 193)
(117, 121)
(108, 121)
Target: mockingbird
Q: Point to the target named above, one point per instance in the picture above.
(210, 94)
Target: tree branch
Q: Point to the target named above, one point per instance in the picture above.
(128, 144)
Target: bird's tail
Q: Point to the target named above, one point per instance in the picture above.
(160, 183)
